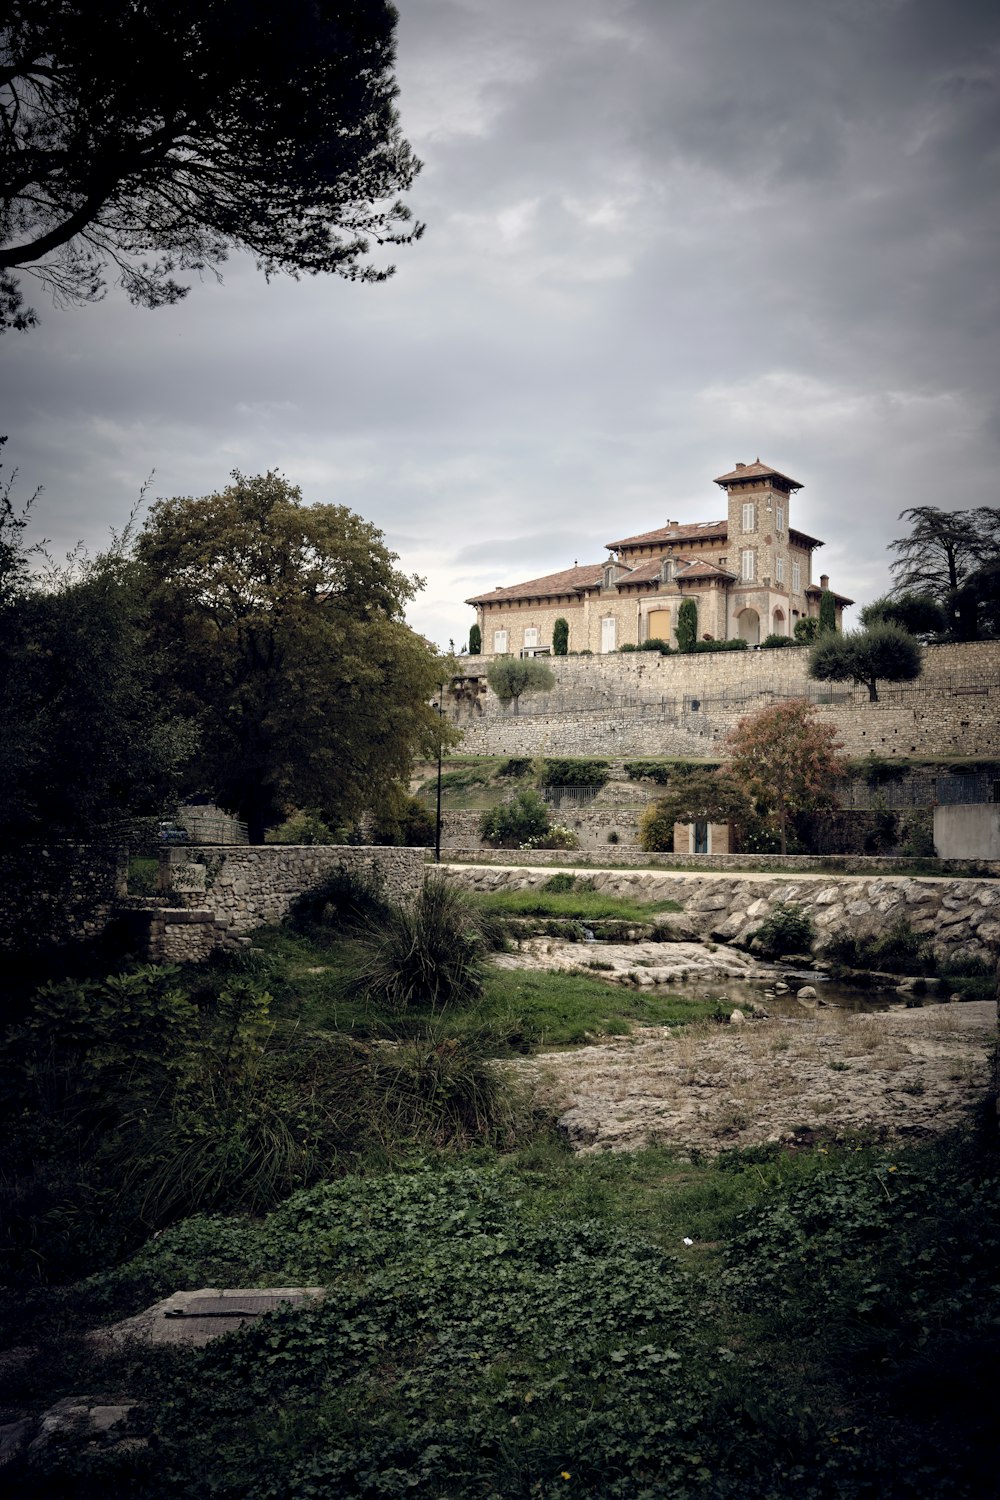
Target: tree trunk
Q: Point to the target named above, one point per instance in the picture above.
(872, 690)
(782, 818)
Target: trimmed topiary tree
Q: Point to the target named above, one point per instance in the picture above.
(884, 653)
(687, 625)
(560, 637)
(475, 641)
(510, 677)
(805, 630)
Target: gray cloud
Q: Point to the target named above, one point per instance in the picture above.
(660, 239)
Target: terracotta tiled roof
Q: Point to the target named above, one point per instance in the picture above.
(801, 539)
(756, 470)
(702, 569)
(696, 531)
(814, 588)
(569, 581)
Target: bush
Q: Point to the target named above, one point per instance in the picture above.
(805, 631)
(344, 899)
(565, 772)
(734, 645)
(426, 955)
(560, 637)
(655, 644)
(409, 825)
(656, 829)
(515, 767)
(303, 827)
(787, 928)
(558, 836)
(895, 950)
(777, 642)
(512, 823)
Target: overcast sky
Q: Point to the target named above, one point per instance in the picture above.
(662, 236)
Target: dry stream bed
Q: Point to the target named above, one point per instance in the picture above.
(807, 1071)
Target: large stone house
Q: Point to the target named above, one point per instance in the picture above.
(750, 575)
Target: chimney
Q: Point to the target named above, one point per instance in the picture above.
(824, 580)
(741, 466)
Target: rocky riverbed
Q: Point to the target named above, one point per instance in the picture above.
(901, 1075)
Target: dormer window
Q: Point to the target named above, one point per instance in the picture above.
(668, 570)
(610, 575)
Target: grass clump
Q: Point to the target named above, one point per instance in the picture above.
(897, 949)
(428, 954)
(787, 928)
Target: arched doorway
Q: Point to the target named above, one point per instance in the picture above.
(778, 626)
(748, 625)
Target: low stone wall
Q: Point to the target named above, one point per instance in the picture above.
(218, 895)
(960, 916)
(629, 859)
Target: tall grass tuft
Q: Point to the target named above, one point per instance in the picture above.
(428, 955)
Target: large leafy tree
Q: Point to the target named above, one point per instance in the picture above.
(154, 136)
(283, 624)
(941, 552)
(786, 761)
(882, 653)
(919, 614)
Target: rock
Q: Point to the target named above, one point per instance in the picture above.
(13, 1437)
(81, 1414)
(737, 1018)
(807, 992)
(781, 988)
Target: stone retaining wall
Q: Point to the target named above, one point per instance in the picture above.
(219, 895)
(645, 704)
(960, 916)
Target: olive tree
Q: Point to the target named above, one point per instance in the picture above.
(885, 653)
(510, 678)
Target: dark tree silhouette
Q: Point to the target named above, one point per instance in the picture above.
(156, 136)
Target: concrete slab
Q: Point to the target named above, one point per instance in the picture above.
(194, 1318)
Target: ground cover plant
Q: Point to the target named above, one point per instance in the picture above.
(763, 1325)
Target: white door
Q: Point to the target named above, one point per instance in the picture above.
(608, 634)
(499, 643)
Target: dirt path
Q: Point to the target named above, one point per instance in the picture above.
(899, 1074)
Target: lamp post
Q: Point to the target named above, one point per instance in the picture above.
(437, 823)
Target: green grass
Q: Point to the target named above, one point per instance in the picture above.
(519, 1008)
(581, 904)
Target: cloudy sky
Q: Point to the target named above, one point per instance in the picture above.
(662, 236)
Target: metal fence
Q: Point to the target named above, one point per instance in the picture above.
(950, 789)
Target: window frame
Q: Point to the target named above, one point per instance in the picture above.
(748, 565)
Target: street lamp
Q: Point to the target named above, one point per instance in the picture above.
(437, 823)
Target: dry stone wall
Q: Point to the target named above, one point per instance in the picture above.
(218, 896)
(959, 916)
(641, 703)
(57, 893)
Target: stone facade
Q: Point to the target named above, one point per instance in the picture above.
(645, 704)
(748, 574)
(959, 916)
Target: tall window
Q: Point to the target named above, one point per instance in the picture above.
(796, 578)
(531, 635)
(499, 643)
(749, 515)
(779, 570)
(748, 562)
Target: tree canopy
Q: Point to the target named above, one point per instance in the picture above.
(786, 760)
(711, 794)
(281, 625)
(918, 614)
(885, 653)
(941, 552)
(156, 136)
